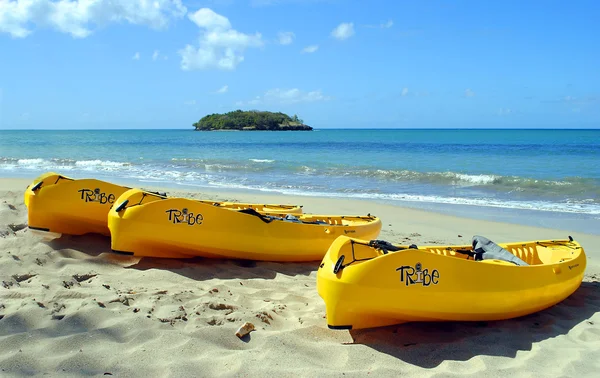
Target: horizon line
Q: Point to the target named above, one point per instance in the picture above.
(326, 128)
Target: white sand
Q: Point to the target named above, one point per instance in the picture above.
(69, 307)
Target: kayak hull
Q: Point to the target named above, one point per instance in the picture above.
(62, 205)
(179, 228)
(437, 284)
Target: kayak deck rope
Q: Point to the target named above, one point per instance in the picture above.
(251, 211)
(565, 244)
(382, 245)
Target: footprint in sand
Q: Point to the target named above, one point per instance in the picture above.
(215, 321)
(265, 317)
(7, 284)
(172, 320)
(23, 277)
(17, 227)
(83, 277)
(68, 284)
(123, 300)
(222, 306)
(55, 311)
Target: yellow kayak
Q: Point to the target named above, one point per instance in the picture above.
(144, 224)
(63, 205)
(374, 283)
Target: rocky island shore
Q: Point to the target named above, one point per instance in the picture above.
(251, 121)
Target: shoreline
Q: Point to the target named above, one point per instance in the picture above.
(557, 220)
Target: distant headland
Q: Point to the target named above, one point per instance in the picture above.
(250, 121)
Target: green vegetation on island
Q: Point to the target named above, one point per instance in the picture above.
(251, 120)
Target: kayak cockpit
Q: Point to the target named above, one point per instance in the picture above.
(527, 254)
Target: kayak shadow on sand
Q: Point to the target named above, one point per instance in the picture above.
(90, 244)
(428, 344)
(196, 268)
(199, 268)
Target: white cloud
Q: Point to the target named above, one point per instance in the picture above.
(207, 19)
(223, 89)
(383, 25)
(504, 111)
(190, 102)
(136, 56)
(310, 49)
(343, 31)
(156, 56)
(14, 17)
(286, 96)
(220, 46)
(469, 93)
(404, 91)
(255, 101)
(74, 17)
(286, 38)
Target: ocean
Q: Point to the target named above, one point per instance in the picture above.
(547, 178)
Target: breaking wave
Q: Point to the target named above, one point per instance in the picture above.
(567, 194)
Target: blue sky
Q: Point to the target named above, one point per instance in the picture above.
(335, 63)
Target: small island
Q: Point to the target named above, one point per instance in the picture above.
(250, 121)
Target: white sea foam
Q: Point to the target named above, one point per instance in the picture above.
(581, 207)
(476, 179)
(30, 161)
(185, 159)
(307, 170)
(35, 164)
(217, 167)
(100, 163)
(62, 165)
(218, 175)
(262, 160)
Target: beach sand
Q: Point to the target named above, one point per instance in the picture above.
(69, 307)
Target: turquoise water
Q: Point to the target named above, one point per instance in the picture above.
(551, 172)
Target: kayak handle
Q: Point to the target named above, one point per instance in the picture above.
(121, 205)
(37, 186)
(339, 264)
